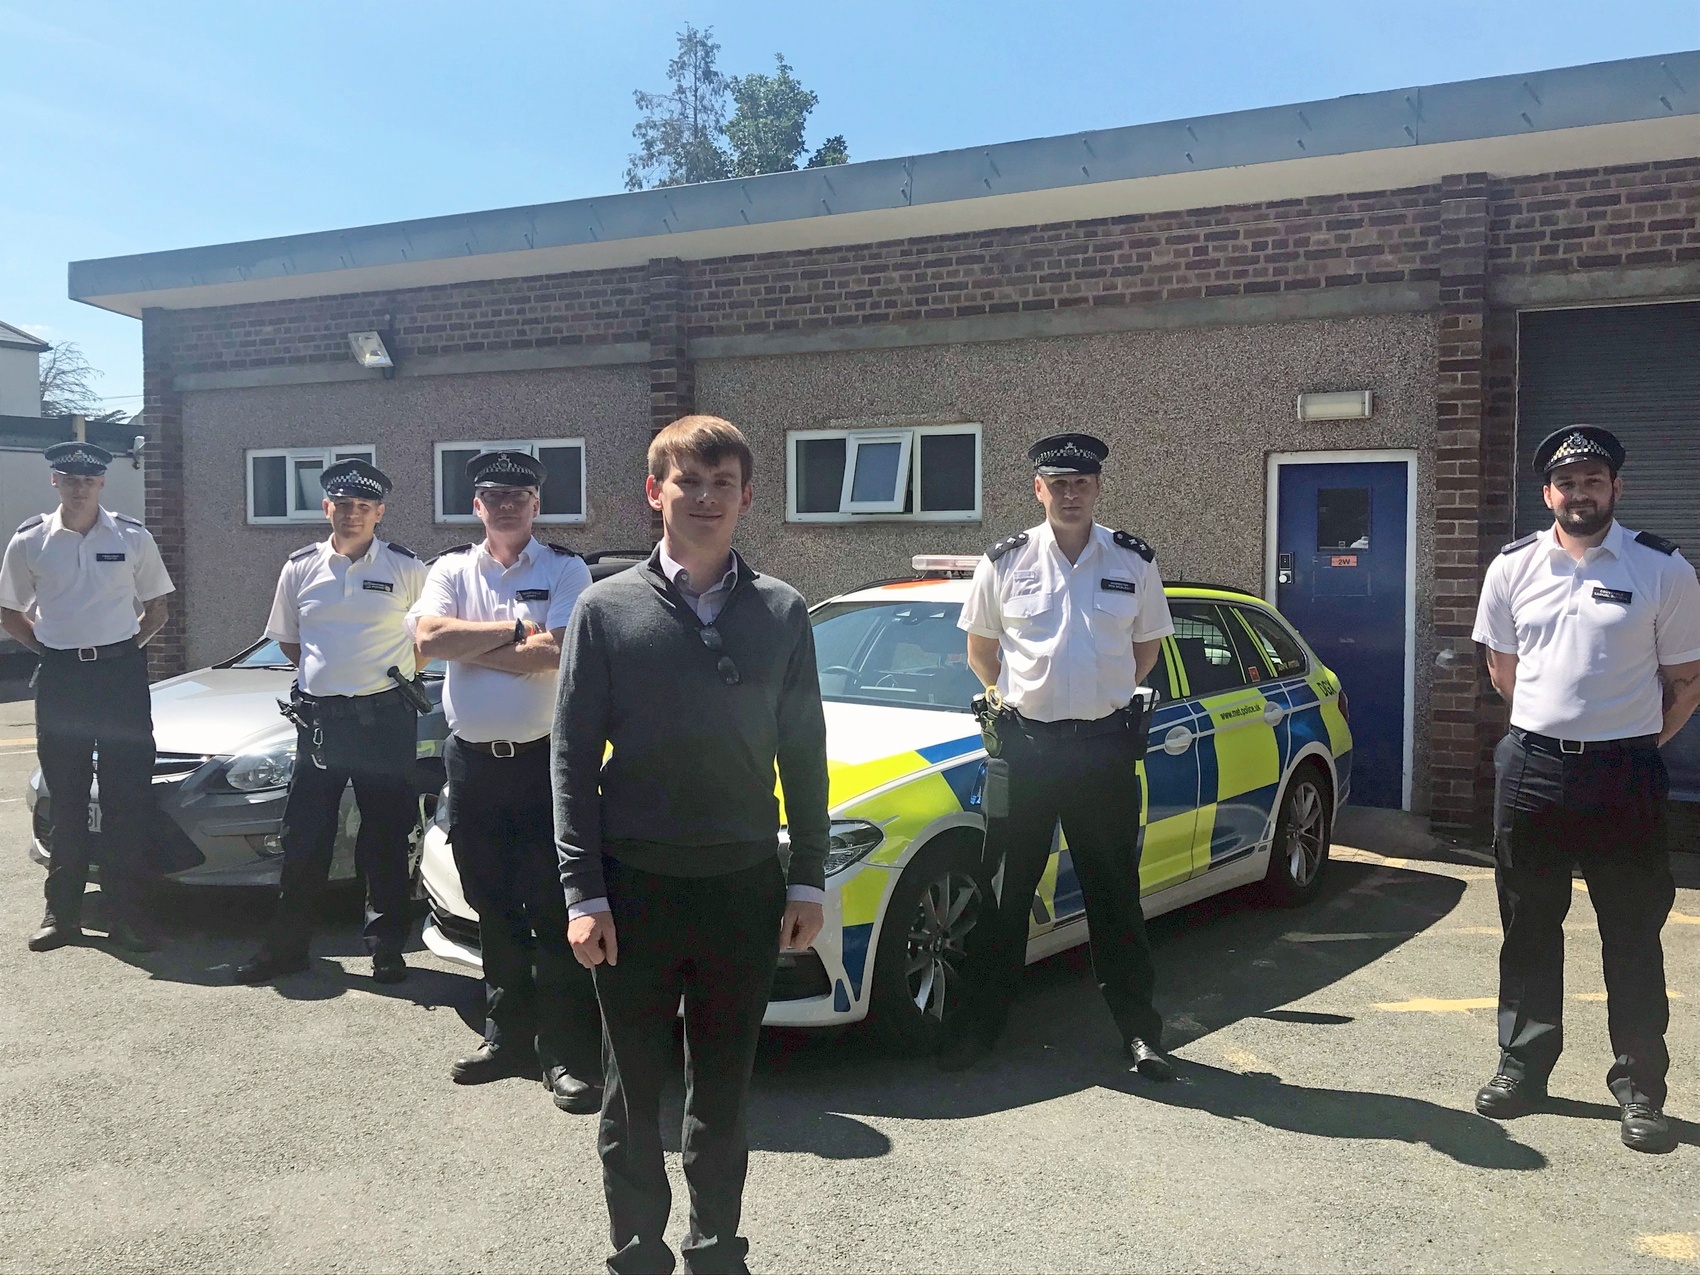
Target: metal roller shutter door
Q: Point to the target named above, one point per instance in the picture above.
(1636, 371)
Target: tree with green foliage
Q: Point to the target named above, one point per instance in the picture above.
(684, 135)
(679, 134)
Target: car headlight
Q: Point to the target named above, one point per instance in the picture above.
(257, 772)
(849, 841)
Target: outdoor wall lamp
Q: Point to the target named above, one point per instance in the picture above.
(1346, 405)
(370, 352)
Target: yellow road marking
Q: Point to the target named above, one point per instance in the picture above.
(1677, 1246)
(12, 743)
(1599, 997)
(1433, 1005)
(1682, 918)
(1243, 1061)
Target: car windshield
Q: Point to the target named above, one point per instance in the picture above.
(269, 654)
(907, 653)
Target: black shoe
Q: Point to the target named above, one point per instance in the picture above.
(54, 933)
(1506, 1097)
(265, 965)
(486, 1063)
(134, 934)
(388, 967)
(580, 1097)
(1147, 1061)
(1645, 1128)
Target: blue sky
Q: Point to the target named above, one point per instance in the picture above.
(131, 126)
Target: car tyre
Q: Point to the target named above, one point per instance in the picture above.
(917, 979)
(1303, 831)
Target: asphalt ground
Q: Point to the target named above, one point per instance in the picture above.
(154, 1116)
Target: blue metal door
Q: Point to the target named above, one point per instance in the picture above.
(1340, 579)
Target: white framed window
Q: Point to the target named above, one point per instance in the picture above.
(562, 494)
(919, 473)
(284, 482)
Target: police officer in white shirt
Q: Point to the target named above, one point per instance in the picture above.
(1593, 637)
(72, 586)
(339, 614)
(1064, 621)
(496, 611)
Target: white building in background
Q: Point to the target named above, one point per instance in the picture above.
(20, 372)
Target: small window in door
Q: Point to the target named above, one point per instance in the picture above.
(1342, 519)
(1272, 646)
(1206, 649)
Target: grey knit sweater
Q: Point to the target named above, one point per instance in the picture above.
(689, 788)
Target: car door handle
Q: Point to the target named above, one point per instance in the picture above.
(1273, 713)
(1177, 741)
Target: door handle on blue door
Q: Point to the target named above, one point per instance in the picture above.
(1177, 741)
(1273, 712)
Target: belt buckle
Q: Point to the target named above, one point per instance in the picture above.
(88, 654)
(498, 745)
(1564, 746)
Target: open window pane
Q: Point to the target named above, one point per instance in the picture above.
(948, 478)
(877, 473)
(563, 490)
(268, 479)
(820, 474)
(353, 453)
(308, 489)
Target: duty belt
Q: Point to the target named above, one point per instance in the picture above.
(1075, 727)
(1576, 747)
(504, 747)
(89, 654)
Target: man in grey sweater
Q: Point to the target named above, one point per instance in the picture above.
(701, 674)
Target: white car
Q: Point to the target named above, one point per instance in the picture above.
(1248, 761)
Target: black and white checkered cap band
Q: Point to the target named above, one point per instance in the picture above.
(80, 457)
(1579, 447)
(1068, 452)
(496, 472)
(354, 485)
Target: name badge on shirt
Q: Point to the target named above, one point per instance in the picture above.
(109, 557)
(1614, 595)
(532, 595)
(1117, 586)
(378, 586)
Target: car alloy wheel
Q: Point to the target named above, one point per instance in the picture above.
(1306, 843)
(948, 909)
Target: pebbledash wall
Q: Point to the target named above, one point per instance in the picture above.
(1181, 337)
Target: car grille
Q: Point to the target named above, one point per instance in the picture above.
(800, 977)
(457, 928)
(169, 767)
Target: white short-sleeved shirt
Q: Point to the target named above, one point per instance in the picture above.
(1589, 636)
(348, 617)
(1067, 629)
(486, 704)
(82, 590)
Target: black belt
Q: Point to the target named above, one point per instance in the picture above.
(1074, 727)
(1576, 747)
(89, 654)
(347, 705)
(504, 747)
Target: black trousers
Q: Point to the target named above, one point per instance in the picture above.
(502, 829)
(80, 707)
(1604, 813)
(1091, 784)
(714, 942)
(369, 742)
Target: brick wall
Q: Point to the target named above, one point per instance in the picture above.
(162, 409)
(1596, 219)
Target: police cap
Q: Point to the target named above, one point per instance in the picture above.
(78, 458)
(356, 478)
(1578, 442)
(506, 469)
(1068, 454)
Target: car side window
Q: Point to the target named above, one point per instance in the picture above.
(1160, 680)
(1206, 648)
(1271, 646)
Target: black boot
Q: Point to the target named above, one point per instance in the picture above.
(134, 933)
(269, 963)
(1507, 1097)
(581, 1097)
(1646, 1128)
(1147, 1061)
(488, 1062)
(388, 967)
(55, 932)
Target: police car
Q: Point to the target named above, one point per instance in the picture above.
(1249, 758)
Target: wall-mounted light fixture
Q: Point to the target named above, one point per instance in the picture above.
(1346, 405)
(370, 352)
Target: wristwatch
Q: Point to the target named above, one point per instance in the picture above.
(520, 632)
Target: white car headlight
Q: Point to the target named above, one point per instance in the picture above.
(257, 772)
(849, 841)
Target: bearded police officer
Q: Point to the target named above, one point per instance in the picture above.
(1593, 637)
(496, 612)
(1064, 621)
(339, 615)
(72, 586)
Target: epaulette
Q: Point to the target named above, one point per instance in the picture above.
(403, 550)
(456, 549)
(1524, 543)
(1005, 545)
(561, 549)
(32, 522)
(1127, 541)
(134, 522)
(303, 551)
(1656, 542)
